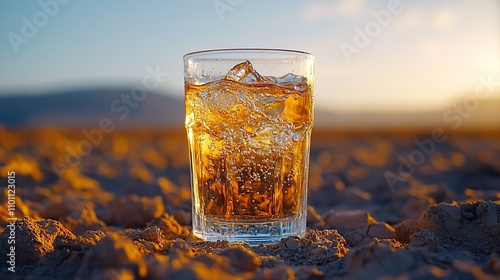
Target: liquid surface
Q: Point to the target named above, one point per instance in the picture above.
(249, 145)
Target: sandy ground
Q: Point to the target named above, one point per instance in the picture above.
(380, 206)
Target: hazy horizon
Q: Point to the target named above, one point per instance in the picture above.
(495, 97)
(85, 108)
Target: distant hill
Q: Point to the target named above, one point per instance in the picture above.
(85, 108)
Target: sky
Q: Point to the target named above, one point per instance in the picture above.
(383, 55)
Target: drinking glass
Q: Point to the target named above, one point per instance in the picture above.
(249, 115)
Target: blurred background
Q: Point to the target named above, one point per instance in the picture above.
(381, 64)
(407, 115)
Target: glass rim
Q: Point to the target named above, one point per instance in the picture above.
(249, 50)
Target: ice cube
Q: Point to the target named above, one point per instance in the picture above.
(227, 110)
(219, 101)
(290, 81)
(244, 73)
(272, 106)
(274, 110)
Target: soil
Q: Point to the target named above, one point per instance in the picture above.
(376, 210)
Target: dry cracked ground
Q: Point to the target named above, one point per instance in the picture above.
(123, 211)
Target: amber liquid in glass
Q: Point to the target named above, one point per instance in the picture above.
(249, 149)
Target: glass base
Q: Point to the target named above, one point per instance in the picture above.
(252, 232)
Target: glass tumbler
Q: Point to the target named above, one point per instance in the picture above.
(249, 115)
